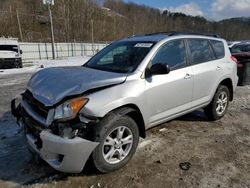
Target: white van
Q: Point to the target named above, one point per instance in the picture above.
(10, 53)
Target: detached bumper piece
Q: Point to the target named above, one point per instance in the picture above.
(63, 154)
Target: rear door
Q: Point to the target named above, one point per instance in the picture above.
(171, 93)
(206, 67)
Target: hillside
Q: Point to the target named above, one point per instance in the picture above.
(112, 20)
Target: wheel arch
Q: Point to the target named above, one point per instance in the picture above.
(229, 84)
(133, 112)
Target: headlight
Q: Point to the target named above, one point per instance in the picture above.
(70, 109)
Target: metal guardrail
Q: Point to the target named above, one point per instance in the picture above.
(43, 51)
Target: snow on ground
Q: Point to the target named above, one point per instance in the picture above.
(36, 65)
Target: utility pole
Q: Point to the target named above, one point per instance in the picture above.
(92, 35)
(11, 20)
(52, 32)
(19, 25)
(49, 3)
(68, 36)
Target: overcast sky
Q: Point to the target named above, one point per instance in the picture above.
(210, 9)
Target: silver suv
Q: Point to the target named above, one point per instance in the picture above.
(99, 111)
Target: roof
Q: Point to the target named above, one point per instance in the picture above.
(245, 43)
(156, 37)
(146, 38)
(8, 41)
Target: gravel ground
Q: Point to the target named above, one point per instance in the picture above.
(187, 152)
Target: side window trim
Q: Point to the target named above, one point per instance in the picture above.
(212, 49)
(185, 46)
(188, 53)
(211, 46)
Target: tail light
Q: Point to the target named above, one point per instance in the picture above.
(239, 65)
(234, 59)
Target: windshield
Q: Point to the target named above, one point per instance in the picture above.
(120, 57)
(13, 48)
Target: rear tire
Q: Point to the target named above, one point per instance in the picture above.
(218, 106)
(118, 137)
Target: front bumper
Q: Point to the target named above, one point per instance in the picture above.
(63, 154)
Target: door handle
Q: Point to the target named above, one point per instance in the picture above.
(188, 76)
(218, 68)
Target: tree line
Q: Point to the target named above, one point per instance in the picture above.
(74, 21)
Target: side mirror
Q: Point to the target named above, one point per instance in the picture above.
(159, 69)
(21, 51)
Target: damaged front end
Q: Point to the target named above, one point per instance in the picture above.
(65, 144)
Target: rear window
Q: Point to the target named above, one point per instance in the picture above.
(240, 48)
(218, 47)
(200, 50)
(9, 48)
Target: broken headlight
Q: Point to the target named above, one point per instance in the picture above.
(70, 108)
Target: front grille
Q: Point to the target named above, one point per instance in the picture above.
(32, 127)
(37, 106)
(8, 62)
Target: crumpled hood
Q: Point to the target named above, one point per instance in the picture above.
(51, 85)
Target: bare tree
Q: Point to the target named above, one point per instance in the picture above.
(113, 19)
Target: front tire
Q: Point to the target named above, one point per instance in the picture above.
(218, 106)
(118, 137)
(18, 64)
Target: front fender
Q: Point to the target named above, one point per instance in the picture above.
(105, 101)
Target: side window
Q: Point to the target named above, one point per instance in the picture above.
(218, 47)
(200, 50)
(172, 53)
(247, 49)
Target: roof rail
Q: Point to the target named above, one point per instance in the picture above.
(134, 36)
(148, 34)
(157, 33)
(173, 33)
(193, 33)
